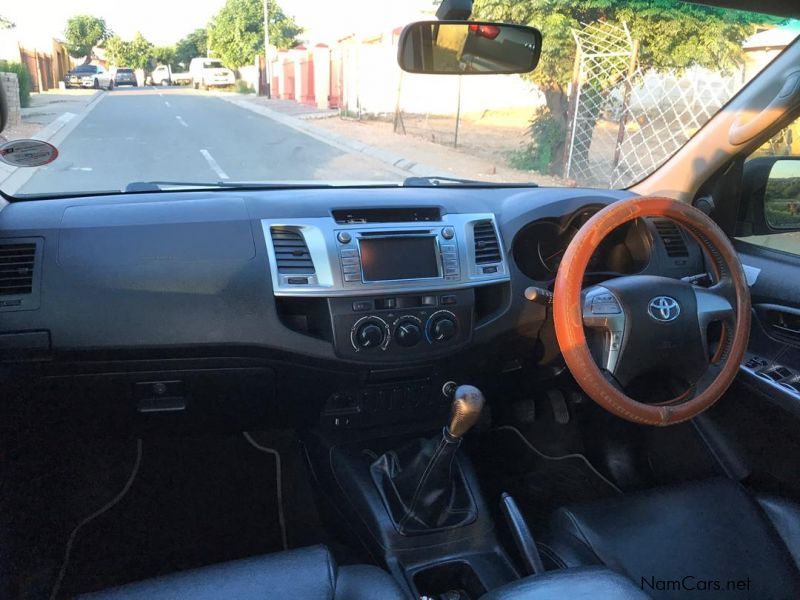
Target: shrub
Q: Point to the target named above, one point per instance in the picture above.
(23, 77)
(547, 137)
(243, 87)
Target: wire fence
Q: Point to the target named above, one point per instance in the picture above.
(628, 118)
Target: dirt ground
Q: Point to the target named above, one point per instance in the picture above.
(482, 152)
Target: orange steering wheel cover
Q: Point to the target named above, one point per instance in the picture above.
(568, 309)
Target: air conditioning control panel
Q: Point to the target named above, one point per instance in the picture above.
(401, 328)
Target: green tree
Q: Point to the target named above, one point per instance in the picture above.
(135, 54)
(5, 23)
(193, 45)
(163, 55)
(83, 33)
(236, 33)
(672, 35)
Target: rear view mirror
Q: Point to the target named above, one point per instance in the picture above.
(468, 48)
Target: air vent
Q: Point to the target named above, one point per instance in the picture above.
(673, 240)
(291, 252)
(487, 248)
(16, 269)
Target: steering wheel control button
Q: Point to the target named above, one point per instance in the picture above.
(605, 304)
(448, 233)
(664, 309)
(616, 341)
(344, 237)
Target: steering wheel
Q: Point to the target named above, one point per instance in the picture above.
(650, 323)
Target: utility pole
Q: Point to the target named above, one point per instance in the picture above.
(267, 65)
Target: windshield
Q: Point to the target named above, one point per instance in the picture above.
(618, 89)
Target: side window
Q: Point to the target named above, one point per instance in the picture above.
(770, 215)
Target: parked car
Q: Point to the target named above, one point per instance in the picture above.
(164, 75)
(89, 76)
(125, 76)
(208, 72)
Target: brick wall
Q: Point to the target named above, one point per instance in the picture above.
(11, 86)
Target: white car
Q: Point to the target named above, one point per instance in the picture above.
(90, 76)
(208, 72)
(164, 75)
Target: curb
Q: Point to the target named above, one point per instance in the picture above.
(400, 164)
(13, 178)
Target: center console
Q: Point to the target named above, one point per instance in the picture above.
(399, 283)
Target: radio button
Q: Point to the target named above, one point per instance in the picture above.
(352, 276)
(344, 237)
(448, 248)
(350, 260)
(448, 233)
(350, 268)
(348, 252)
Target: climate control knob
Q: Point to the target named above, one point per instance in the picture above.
(442, 327)
(408, 332)
(369, 335)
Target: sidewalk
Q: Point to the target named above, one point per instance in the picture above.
(411, 154)
(48, 108)
(50, 117)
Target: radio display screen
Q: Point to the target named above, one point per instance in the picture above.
(401, 257)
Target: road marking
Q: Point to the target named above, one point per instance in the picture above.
(167, 103)
(181, 121)
(214, 164)
(80, 169)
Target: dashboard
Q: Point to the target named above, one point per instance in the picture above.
(361, 281)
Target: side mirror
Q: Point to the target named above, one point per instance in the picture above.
(468, 48)
(782, 195)
(771, 195)
(3, 107)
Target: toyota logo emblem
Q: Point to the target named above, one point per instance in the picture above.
(664, 309)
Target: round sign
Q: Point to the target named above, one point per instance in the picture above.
(27, 153)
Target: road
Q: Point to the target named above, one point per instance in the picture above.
(179, 134)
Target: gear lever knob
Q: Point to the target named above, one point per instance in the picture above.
(466, 410)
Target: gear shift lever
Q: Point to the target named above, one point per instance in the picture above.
(465, 410)
(421, 483)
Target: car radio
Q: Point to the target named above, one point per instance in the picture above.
(325, 258)
(397, 255)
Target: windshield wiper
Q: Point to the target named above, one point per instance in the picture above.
(159, 186)
(437, 181)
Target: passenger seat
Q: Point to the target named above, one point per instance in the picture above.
(304, 574)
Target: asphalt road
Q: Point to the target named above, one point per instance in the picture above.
(183, 135)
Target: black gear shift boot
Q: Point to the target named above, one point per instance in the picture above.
(423, 487)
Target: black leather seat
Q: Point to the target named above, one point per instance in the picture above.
(709, 539)
(304, 574)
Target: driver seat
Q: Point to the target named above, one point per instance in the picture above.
(686, 540)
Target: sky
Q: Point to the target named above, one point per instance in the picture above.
(166, 21)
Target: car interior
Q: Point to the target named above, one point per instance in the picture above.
(444, 390)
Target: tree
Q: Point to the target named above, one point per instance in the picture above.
(193, 45)
(236, 33)
(6, 24)
(135, 54)
(163, 55)
(83, 33)
(672, 35)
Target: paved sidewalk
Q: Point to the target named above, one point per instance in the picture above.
(291, 108)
